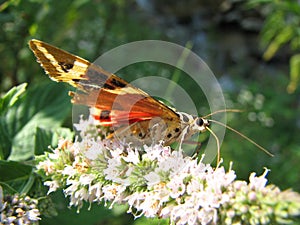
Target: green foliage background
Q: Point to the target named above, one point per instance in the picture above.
(34, 117)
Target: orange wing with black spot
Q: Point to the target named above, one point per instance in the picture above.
(112, 99)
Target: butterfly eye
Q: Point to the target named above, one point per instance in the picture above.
(199, 122)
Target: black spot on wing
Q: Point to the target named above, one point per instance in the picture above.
(118, 83)
(113, 84)
(105, 115)
(176, 129)
(66, 66)
(108, 86)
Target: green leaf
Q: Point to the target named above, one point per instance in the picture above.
(89, 214)
(295, 43)
(8, 100)
(46, 137)
(15, 176)
(11, 97)
(281, 38)
(294, 73)
(44, 106)
(14, 171)
(273, 25)
(151, 221)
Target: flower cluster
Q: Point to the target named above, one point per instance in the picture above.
(18, 210)
(157, 182)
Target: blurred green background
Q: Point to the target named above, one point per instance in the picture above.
(251, 46)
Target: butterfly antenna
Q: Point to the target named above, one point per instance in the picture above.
(222, 110)
(244, 136)
(218, 143)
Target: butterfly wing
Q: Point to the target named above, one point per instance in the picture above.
(113, 101)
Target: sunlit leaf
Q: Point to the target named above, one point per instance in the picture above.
(273, 25)
(33, 29)
(295, 43)
(44, 106)
(282, 38)
(294, 73)
(150, 221)
(11, 97)
(7, 101)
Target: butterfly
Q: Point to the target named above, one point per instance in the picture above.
(130, 113)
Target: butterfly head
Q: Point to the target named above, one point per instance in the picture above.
(200, 124)
(195, 124)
